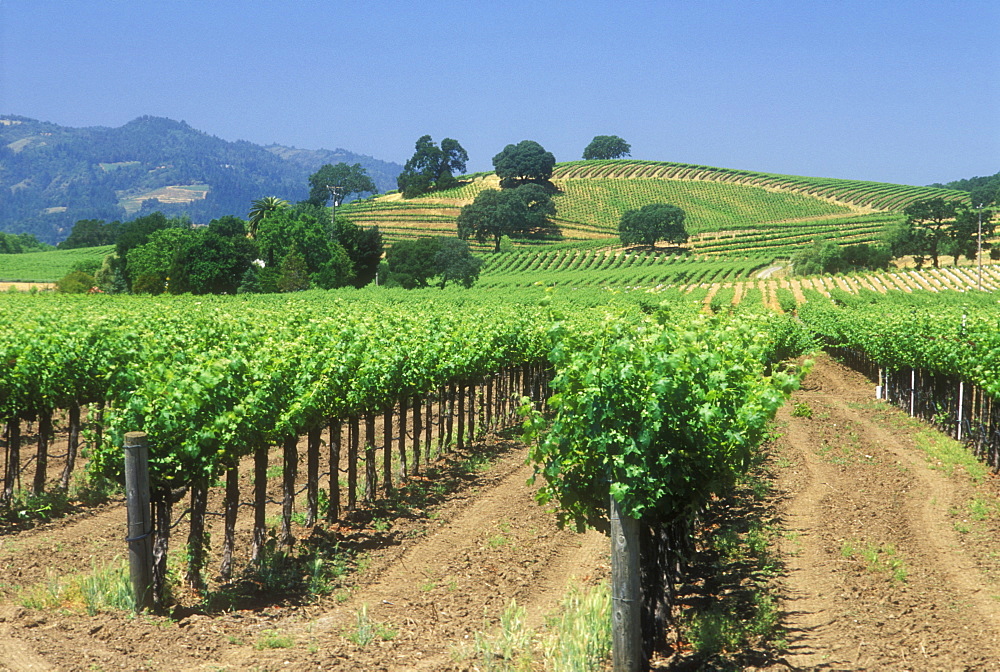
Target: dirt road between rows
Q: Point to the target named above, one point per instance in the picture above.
(426, 587)
(891, 552)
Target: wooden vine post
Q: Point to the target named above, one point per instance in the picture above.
(140, 527)
(626, 605)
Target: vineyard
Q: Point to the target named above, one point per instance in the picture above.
(283, 429)
(727, 210)
(347, 466)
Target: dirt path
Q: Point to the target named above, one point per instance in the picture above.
(886, 571)
(445, 587)
(425, 596)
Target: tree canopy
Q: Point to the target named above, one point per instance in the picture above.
(606, 147)
(527, 161)
(91, 233)
(347, 180)
(414, 263)
(208, 260)
(432, 167)
(935, 227)
(964, 233)
(259, 211)
(826, 256)
(653, 222)
(930, 220)
(508, 212)
(983, 191)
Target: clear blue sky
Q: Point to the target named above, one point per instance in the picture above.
(894, 91)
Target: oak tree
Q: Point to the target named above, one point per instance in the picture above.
(346, 180)
(606, 147)
(508, 212)
(527, 161)
(657, 221)
(432, 167)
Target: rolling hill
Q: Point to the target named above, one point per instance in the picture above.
(727, 210)
(51, 175)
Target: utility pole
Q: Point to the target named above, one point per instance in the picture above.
(335, 191)
(979, 250)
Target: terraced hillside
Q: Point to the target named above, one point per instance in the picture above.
(727, 210)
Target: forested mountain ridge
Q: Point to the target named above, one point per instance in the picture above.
(51, 175)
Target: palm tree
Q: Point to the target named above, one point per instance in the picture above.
(260, 209)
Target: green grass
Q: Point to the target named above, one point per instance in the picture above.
(576, 638)
(272, 639)
(877, 559)
(46, 266)
(366, 630)
(106, 587)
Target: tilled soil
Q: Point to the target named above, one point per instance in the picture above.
(427, 585)
(891, 565)
(888, 566)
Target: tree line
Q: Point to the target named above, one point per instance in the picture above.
(282, 247)
(932, 228)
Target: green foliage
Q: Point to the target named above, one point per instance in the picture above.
(272, 639)
(149, 264)
(604, 147)
(582, 267)
(527, 161)
(137, 232)
(106, 587)
(363, 247)
(260, 209)
(802, 410)
(933, 221)
(456, 263)
(75, 282)
(972, 228)
(651, 223)
(508, 212)
(367, 630)
(727, 211)
(786, 299)
(338, 272)
(216, 259)
(983, 191)
(656, 414)
(432, 167)
(293, 273)
(48, 266)
(576, 639)
(413, 263)
(212, 385)
(91, 233)
(827, 257)
(11, 243)
(598, 203)
(334, 256)
(346, 181)
(943, 332)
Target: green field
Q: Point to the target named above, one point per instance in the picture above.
(47, 266)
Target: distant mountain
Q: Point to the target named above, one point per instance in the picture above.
(51, 175)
